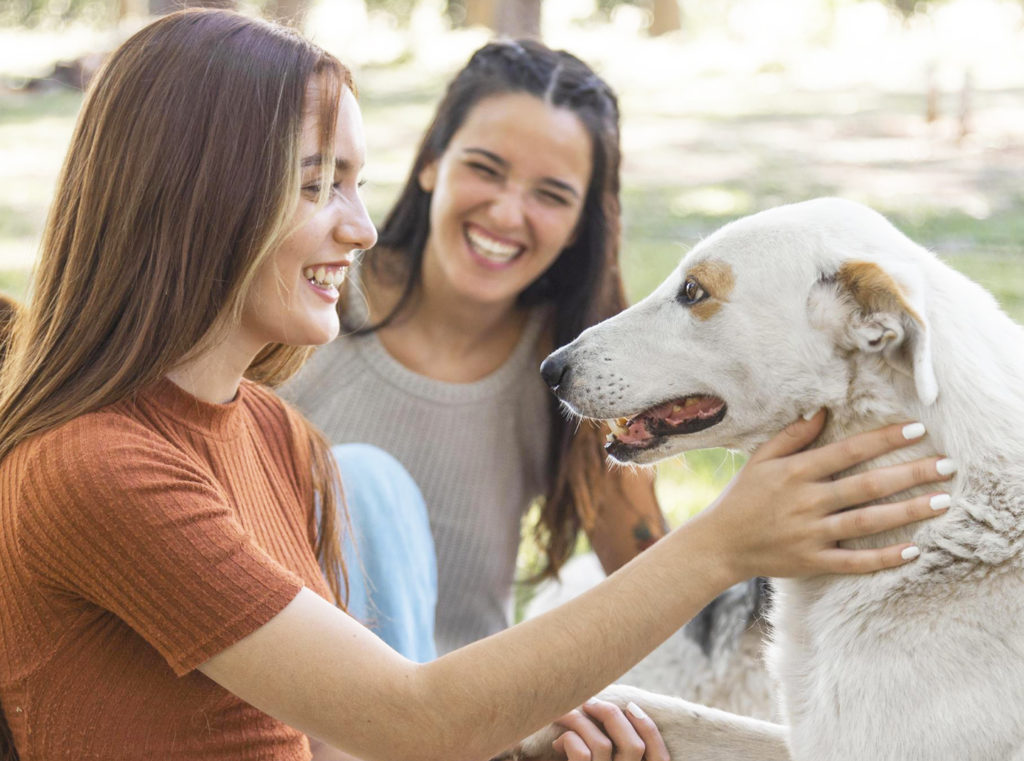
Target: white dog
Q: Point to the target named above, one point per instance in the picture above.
(825, 304)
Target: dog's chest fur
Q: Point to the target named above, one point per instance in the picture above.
(931, 653)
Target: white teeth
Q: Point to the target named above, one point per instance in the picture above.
(323, 277)
(492, 249)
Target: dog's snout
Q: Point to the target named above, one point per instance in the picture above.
(555, 369)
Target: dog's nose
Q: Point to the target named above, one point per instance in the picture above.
(555, 369)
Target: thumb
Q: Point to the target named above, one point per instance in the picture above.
(792, 438)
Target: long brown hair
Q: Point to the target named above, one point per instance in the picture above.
(583, 285)
(180, 179)
(8, 311)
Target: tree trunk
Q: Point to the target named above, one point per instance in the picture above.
(518, 18)
(666, 18)
(481, 13)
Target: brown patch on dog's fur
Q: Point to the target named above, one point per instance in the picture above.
(717, 280)
(874, 290)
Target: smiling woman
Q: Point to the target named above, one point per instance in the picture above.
(172, 265)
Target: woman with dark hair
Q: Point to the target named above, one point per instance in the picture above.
(161, 554)
(502, 246)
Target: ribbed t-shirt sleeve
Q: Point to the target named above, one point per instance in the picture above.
(131, 524)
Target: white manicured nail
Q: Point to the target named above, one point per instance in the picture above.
(810, 415)
(940, 501)
(913, 431)
(910, 553)
(636, 710)
(945, 466)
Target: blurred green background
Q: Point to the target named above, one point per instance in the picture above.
(729, 106)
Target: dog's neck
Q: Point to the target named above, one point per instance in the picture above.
(977, 421)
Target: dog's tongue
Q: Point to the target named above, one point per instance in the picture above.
(673, 413)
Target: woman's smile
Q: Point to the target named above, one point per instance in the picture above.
(326, 279)
(490, 250)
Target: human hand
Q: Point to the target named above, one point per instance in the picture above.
(601, 731)
(784, 513)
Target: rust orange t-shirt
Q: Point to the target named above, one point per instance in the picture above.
(136, 542)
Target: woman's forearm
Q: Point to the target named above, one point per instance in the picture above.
(490, 693)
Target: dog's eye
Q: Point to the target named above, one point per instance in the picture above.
(692, 292)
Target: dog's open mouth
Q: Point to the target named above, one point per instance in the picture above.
(674, 418)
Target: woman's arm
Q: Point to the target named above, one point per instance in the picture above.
(317, 669)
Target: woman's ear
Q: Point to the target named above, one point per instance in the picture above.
(427, 177)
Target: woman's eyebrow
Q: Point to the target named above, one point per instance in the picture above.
(561, 184)
(489, 154)
(340, 164)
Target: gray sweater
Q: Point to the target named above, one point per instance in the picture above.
(479, 452)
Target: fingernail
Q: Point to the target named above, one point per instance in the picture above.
(910, 553)
(945, 466)
(940, 501)
(913, 431)
(810, 415)
(636, 710)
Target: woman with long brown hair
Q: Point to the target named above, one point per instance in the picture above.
(161, 563)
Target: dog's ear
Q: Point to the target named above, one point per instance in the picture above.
(888, 318)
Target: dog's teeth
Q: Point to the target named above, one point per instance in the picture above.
(617, 427)
(308, 273)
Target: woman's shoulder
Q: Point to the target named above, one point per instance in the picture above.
(105, 443)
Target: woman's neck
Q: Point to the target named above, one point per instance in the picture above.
(442, 337)
(214, 375)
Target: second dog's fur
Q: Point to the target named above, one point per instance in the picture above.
(825, 304)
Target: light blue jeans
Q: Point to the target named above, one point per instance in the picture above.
(390, 556)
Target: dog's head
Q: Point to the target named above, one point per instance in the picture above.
(814, 304)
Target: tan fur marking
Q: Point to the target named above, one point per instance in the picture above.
(717, 279)
(873, 289)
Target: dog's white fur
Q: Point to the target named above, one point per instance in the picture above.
(920, 663)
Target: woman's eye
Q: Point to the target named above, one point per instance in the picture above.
(693, 292)
(554, 198)
(482, 169)
(313, 188)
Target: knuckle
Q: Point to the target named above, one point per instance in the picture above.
(924, 472)
(874, 485)
(861, 521)
(915, 509)
(635, 748)
(856, 449)
(792, 469)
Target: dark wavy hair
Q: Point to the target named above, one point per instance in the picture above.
(583, 285)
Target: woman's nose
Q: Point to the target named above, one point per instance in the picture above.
(507, 208)
(355, 229)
